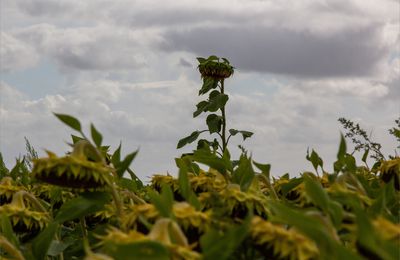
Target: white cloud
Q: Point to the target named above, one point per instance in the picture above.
(15, 54)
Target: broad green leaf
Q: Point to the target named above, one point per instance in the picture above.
(7, 231)
(70, 121)
(316, 193)
(57, 247)
(246, 134)
(144, 250)
(214, 123)
(293, 183)
(233, 132)
(96, 136)
(127, 184)
(42, 242)
(206, 157)
(264, 168)
(217, 245)
(87, 203)
(208, 84)
(335, 211)
(216, 101)
(315, 159)
(189, 139)
(124, 165)
(244, 173)
(184, 184)
(164, 201)
(201, 107)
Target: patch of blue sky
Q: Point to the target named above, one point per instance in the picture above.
(36, 82)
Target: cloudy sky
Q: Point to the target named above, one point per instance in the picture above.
(129, 66)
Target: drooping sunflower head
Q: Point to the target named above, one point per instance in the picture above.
(275, 241)
(159, 180)
(215, 68)
(24, 217)
(391, 170)
(186, 216)
(236, 203)
(211, 180)
(77, 170)
(164, 231)
(7, 189)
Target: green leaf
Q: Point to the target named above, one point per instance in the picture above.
(316, 193)
(116, 157)
(208, 84)
(96, 136)
(144, 250)
(87, 203)
(164, 201)
(128, 184)
(76, 139)
(124, 165)
(213, 57)
(246, 134)
(244, 173)
(293, 183)
(189, 139)
(217, 245)
(315, 160)
(201, 107)
(264, 168)
(42, 242)
(184, 184)
(200, 59)
(233, 132)
(342, 147)
(206, 157)
(365, 155)
(314, 229)
(214, 123)
(57, 247)
(70, 121)
(225, 60)
(7, 231)
(216, 101)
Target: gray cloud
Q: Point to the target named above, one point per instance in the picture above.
(265, 49)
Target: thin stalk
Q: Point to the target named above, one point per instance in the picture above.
(118, 204)
(223, 135)
(82, 223)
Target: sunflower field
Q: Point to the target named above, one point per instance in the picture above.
(89, 203)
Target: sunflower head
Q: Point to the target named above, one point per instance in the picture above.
(79, 170)
(215, 69)
(236, 202)
(391, 170)
(7, 189)
(276, 241)
(24, 218)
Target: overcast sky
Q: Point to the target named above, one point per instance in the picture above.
(129, 66)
